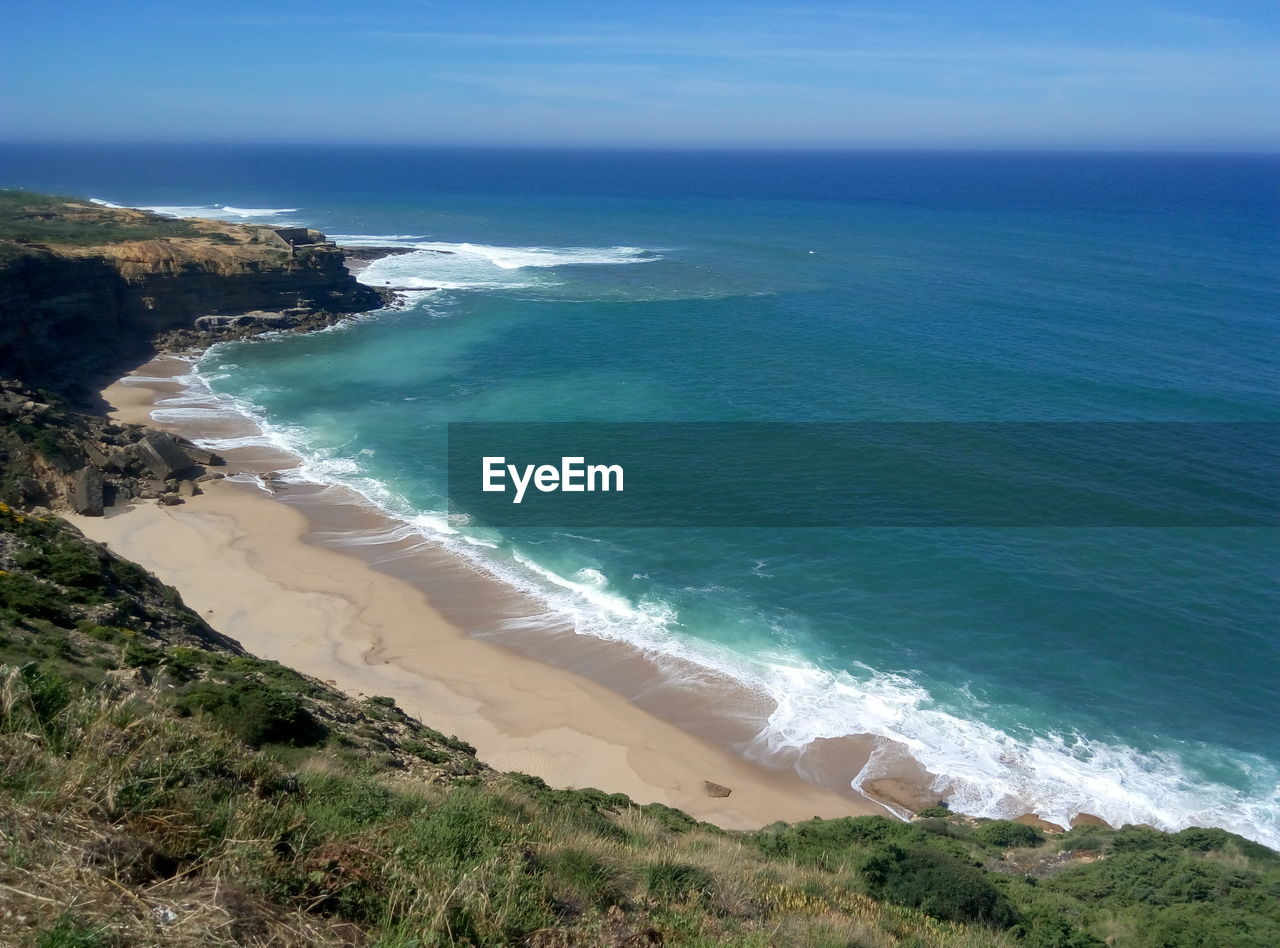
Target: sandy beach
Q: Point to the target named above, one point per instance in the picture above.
(452, 645)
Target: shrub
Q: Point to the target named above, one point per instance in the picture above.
(22, 597)
(48, 692)
(140, 655)
(254, 712)
(103, 633)
(828, 842)
(1141, 839)
(935, 825)
(182, 662)
(1215, 924)
(1006, 834)
(67, 564)
(1151, 878)
(1201, 839)
(424, 751)
(1082, 843)
(937, 884)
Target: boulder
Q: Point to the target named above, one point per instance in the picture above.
(199, 455)
(95, 454)
(30, 491)
(86, 492)
(161, 455)
(715, 789)
(124, 680)
(1037, 822)
(1088, 819)
(212, 322)
(119, 460)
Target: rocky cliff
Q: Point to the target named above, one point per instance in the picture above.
(83, 286)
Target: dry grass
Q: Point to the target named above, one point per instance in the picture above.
(123, 825)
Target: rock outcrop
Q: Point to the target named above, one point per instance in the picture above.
(64, 460)
(70, 306)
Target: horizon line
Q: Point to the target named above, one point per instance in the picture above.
(1165, 150)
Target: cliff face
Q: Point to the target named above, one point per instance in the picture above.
(67, 307)
(52, 306)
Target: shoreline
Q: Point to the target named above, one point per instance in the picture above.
(398, 615)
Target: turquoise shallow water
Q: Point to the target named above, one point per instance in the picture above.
(1126, 672)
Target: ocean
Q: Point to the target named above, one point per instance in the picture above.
(1127, 672)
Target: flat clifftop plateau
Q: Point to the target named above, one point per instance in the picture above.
(84, 286)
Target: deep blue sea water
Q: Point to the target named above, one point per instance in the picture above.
(1129, 672)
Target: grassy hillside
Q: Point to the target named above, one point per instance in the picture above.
(159, 786)
(28, 218)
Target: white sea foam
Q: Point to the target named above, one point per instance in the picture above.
(224, 212)
(441, 265)
(987, 772)
(434, 271)
(505, 258)
(375, 240)
(438, 265)
(517, 258)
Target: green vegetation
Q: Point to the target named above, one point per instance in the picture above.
(27, 217)
(253, 711)
(1006, 834)
(159, 786)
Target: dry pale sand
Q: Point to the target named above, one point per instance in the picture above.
(238, 557)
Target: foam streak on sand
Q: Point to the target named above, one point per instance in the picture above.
(238, 557)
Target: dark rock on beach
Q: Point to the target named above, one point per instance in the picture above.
(86, 492)
(51, 456)
(160, 454)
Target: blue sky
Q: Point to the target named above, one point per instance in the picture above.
(984, 73)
